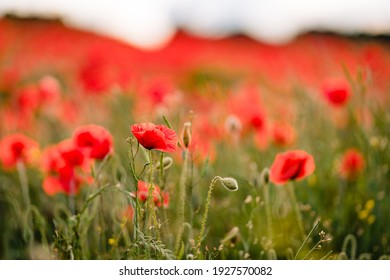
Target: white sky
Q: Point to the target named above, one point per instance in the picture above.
(151, 23)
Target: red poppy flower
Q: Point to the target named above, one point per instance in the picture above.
(352, 164)
(70, 153)
(160, 198)
(157, 137)
(17, 147)
(336, 92)
(291, 165)
(51, 160)
(66, 168)
(103, 69)
(27, 99)
(247, 106)
(282, 134)
(63, 154)
(52, 185)
(157, 90)
(66, 181)
(49, 90)
(94, 140)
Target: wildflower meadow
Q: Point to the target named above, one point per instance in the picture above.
(202, 149)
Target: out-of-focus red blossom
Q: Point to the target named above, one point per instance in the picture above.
(66, 181)
(67, 164)
(48, 89)
(160, 198)
(95, 141)
(261, 139)
(155, 137)
(202, 149)
(336, 91)
(157, 91)
(158, 96)
(52, 185)
(33, 97)
(51, 160)
(17, 147)
(95, 76)
(70, 153)
(283, 134)
(65, 167)
(128, 213)
(291, 165)
(246, 104)
(203, 136)
(352, 164)
(65, 153)
(27, 99)
(102, 71)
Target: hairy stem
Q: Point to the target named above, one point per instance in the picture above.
(205, 214)
(182, 195)
(297, 211)
(152, 210)
(268, 211)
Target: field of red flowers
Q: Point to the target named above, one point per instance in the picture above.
(204, 149)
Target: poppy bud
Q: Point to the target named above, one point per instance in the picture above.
(264, 176)
(167, 162)
(187, 134)
(229, 183)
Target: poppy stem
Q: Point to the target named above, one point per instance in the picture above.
(162, 170)
(151, 197)
(72, 191)
(205, 214)
(297, 211)
(268, 210)
(29, 233)
(135, 177)
(182, 202)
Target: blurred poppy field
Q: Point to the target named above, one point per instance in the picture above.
(204, 149)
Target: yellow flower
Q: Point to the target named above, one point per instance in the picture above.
(363, 214)
(111, 241)
(370, 204)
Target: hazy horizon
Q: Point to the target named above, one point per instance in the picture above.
(151, 24)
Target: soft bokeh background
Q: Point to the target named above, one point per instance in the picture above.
(149, 24)
(247, 101)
